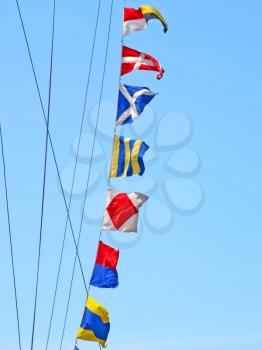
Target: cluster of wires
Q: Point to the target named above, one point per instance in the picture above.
(49, 146)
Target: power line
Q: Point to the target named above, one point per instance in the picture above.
(74, 172)
(44, 176)
(49, 138)
(10, 239)
(89, 170)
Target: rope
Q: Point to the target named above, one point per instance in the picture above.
(89, 170)
(108, 181)
(10, 239)
(44, 177)
(49, 138)
(119, 82)
(74, 172)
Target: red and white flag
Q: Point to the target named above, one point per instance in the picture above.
(137, 19)
(135, 60)
(121, 213)
(133, 20)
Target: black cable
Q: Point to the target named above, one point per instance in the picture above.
(44, 176)
(74, 172)
(50, 139)
(10, 239)
(89, 171)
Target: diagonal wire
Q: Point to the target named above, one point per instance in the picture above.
(50, 139)
(89, 171)
(44, 176)
(98, 113)
(74, 172)
(10, 239)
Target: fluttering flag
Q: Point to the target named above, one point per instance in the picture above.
(95, 324)
(131, 103)
(135, 60)
(121, 213)
(76, 348)
(137, 19)
(127, 157)
(105, 273)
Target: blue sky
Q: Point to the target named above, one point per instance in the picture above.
(196, 285)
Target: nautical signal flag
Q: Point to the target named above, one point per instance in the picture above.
(121, 213)
(127, 157)
(95, 324)
(105, 274)
(136, 60)
(131, 103)
(137, 19)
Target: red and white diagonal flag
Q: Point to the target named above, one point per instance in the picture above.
(121, 213)
(135, 60)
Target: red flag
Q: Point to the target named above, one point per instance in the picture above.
(105, 274)
(133, 20)
(135, 60)
(137, 19)
(107, 256)
(121, 213)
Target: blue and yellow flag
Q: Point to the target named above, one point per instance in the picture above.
(95, 324)
(127, 157)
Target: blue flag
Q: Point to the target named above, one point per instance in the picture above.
(127, 157)
(131, 102)
(105, 273)
(76, 348)
(95, 323)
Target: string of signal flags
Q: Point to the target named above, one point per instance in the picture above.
(121, 209)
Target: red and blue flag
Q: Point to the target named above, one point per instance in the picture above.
(105, 274)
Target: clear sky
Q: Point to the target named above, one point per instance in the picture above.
(192, 279)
